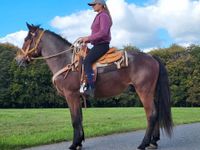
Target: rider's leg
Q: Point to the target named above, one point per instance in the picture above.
(94, 54)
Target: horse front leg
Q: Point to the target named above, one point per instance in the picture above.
(74, 103)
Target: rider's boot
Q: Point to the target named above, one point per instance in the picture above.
(90, 89)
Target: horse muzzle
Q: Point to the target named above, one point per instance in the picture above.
(22, 61)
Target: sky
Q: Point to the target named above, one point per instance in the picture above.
(146, 24)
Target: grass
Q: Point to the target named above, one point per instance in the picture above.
(20, 128)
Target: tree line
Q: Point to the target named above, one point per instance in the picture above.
(31, 87)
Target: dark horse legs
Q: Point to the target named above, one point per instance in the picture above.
(155, 136)
(158, 111)
(149, 131)
(156, 131)
(73, 100)
(147, 98)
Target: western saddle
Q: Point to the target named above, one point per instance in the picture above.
(113, 56)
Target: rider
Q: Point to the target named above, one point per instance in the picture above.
(100, 39)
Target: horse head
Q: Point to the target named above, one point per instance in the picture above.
(31, 46)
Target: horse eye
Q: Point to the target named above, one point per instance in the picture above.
(33, 34)
(28, 36)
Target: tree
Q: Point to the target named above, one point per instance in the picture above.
(31, 87)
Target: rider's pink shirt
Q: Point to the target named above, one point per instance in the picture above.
(101, 29)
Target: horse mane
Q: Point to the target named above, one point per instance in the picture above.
(59, 37)
(53, 33)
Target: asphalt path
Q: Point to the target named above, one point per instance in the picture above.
(185, 137)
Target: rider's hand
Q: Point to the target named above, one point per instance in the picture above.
(84, 39)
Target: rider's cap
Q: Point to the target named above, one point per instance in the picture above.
(102, 2)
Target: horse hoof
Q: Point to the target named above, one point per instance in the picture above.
(73, 147)
(152, 146)
(78, 147)
(141, 147)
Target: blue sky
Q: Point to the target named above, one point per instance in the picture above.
(15, 13)
(146, 24)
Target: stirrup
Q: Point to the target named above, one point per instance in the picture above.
(83, 88)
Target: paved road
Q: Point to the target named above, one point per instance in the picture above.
(186, 137)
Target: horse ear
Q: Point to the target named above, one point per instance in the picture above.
(28, 26)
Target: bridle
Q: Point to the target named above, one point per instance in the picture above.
(28, 51)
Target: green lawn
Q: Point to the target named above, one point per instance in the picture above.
(20, 128)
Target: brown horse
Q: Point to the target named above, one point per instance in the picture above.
(145, 73)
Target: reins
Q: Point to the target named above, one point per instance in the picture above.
(54, 55)
(72, 47)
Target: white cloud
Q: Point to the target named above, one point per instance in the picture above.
(138, 25)
(16, 38)
(75, 25)
(133, 24)
(180, 18)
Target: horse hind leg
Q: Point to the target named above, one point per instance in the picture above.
(156, 131)
(151, 115)
(155, 136)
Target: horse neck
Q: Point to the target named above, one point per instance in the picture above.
(52, 44)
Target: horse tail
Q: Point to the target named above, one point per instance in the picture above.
(163, 100)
